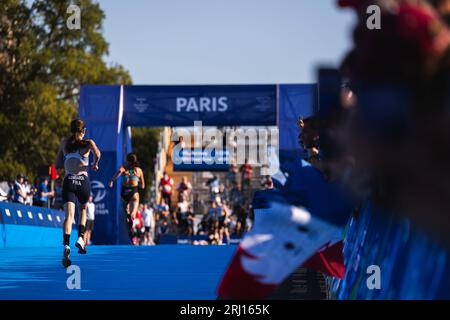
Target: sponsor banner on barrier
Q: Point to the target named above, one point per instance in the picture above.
(104, 199)
(201, 160)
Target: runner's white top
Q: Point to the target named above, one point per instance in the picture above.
(75, 163)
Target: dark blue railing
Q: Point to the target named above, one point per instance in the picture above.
(412, 265)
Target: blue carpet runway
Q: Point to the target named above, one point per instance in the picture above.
(115, 272)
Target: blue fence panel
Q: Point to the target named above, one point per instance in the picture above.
(412, 265)
(26, 226)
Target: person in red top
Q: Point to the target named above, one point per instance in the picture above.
(138, 226)
(166, 187)
(246, 175)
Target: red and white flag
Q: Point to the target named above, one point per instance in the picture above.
(328, 260)
(283, 238)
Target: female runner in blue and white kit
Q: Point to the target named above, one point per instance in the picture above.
(73, 155)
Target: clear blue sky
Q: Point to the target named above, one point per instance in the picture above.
(225, 41)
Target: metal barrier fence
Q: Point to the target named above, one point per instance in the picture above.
(411, 265)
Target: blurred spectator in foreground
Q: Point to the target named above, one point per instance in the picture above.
(443, 8)
(400, 128)
(90, 215)
(309, 134)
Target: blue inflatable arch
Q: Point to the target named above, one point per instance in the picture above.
(110, 110)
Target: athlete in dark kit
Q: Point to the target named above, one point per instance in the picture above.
(73, 155)
(133, 178)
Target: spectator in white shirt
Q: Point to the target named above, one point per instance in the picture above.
(28, 191)
(20, 192)
(149, 224)
(90, 213)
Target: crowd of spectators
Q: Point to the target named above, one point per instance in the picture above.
(37, 193)
(225, 212)
(144, 225)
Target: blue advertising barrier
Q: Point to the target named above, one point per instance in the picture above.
(412, 266)
(107, 221)
(26, 226)
(101, 107)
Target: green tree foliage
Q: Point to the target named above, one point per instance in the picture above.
(145, 144)
(42, 65)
